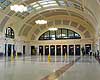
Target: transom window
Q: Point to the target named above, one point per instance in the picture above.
(59, 34)
(9, 33)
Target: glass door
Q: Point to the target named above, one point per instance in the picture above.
(71, 49)
(23, 50)
(58, 49)
(41, 50)
(87, 48)
(9, 50)
(77, 49)
(64, 49)
(46, 49)
(33, 50)
(52, 50)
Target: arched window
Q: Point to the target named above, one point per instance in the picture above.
(9, 33)
(59, 34)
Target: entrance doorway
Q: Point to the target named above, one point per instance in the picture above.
(41, 50)
(23, 50)
(5, 49)
(71, 49)
(9, 50)
(52, 49)
(47, 50)
(58, 49)
(77, 49)
(64, 49)
(87, 48)
(33, 50)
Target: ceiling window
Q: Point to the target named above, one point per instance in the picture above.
(4, 4)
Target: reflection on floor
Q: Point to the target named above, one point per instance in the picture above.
(38, 68)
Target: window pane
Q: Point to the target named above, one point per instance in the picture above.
(9, 33)
(58, 33)
(64, 33)
(2, 1)
(70, 34)
(46, 34)
(52, 35)
(7, 3)
(77, 35)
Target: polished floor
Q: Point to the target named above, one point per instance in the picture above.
(59, 68)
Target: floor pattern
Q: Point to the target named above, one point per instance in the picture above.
(60, 71)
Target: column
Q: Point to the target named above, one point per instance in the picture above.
(81, 46)
(68, 50)
(12, 49)
(38, 53)
(43, 52)
(49, 49)
(38, 50)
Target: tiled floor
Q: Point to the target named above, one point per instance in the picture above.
(87, 68)
(37, 68)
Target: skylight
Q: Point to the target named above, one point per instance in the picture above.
(18, 8)
(42, 4)
(4, 4)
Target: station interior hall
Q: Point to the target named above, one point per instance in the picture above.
(49, 39)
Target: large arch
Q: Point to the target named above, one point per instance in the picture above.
(31, 22)
(72, 23)
(9, 18)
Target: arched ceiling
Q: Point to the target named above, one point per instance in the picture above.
(52, 10)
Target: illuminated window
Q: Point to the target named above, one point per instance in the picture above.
(59, 34)
(9, 33)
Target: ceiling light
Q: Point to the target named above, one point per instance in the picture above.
(41, 22)
(18, 8)
(53, 29)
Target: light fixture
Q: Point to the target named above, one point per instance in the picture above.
(18, 8)
(41, 21)
(53, 29)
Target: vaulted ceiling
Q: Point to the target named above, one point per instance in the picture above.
(83, 15)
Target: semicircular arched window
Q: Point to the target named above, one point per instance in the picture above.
(9, 33)
(60, 34)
